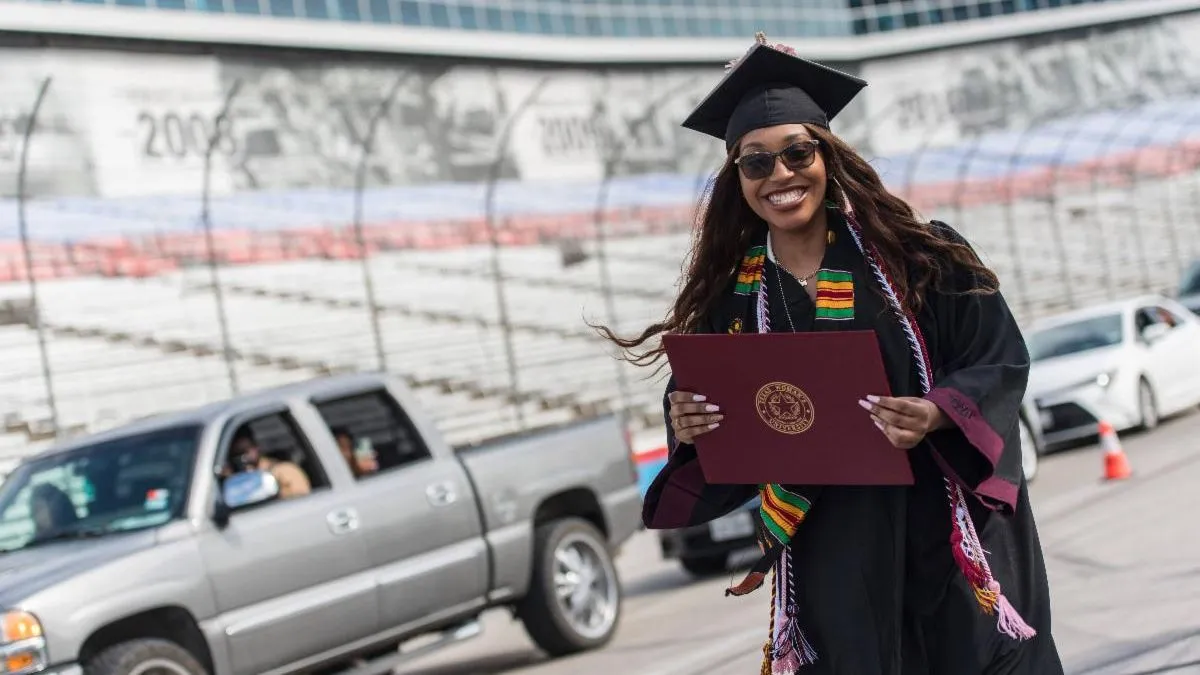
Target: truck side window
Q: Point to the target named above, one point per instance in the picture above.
(372, 432)
(274, 443)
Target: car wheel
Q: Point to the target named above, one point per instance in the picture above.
(574, 599)
(704, 565)
(144, 657)
(1029, 452)
(1147, 406)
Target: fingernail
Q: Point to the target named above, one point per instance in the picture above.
(864, 404)
(714, 425)
(698, 397)
(873, 398)
(711, 408)
(878, 423)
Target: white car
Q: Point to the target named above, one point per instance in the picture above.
(1032, 443)
(1128, 363)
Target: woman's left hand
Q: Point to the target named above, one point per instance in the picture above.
(905, 420)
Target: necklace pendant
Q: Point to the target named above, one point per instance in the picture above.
(804, 283)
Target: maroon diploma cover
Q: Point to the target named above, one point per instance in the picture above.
(791, 408)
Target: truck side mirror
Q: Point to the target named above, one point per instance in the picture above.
(245, 489)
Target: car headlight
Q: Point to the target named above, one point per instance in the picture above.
(22, 643)
(1101, 380)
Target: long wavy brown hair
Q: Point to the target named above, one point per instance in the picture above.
(915, 256)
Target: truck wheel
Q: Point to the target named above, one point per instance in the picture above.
(574, 599)
(144, 657)
(704, 566)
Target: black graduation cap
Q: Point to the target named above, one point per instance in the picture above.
(769, 86)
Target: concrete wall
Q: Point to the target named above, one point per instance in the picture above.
(124, 122)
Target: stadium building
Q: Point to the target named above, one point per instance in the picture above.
(549, 128)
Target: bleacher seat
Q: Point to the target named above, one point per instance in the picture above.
(121, 348)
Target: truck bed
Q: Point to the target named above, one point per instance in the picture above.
(524, 479)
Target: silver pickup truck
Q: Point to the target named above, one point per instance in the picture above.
(159, 547)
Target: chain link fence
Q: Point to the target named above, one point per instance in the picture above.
(484, 311)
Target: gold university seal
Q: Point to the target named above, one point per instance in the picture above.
(784, 408)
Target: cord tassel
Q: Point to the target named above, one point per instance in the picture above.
(1008, 620)
(967, 550)
(792, 649)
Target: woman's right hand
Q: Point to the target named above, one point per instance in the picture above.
(691, 416)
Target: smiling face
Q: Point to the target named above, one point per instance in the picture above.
(786, 191)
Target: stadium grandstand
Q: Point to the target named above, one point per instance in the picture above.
(228, 195)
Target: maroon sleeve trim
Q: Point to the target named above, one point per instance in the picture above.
(677, 499)
(965, 415)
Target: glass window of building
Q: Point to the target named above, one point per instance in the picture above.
(782, 19)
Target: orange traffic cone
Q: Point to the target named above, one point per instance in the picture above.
(1116, 464)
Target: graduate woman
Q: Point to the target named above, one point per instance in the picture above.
(798, 234)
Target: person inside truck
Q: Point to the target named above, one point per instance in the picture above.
(52, 511)
(796, 233)
(246, 455)
(361, 461)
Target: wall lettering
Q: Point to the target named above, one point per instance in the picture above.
(180, 136)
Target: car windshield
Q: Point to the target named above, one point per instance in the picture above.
(130, 483)
(1075, 337)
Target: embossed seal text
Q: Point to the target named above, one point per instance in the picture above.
(785, 408)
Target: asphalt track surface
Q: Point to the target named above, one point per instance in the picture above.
(1123, 559)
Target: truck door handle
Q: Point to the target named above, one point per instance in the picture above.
(342, 521)
(441, 493)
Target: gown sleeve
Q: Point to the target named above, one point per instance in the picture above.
(679, 496)
(980, 387)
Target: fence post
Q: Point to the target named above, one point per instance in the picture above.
(961, 180)
(1188, 160)
(1058, 159)
(1128, 170)
(23, 227)
(915, 158)
(610, 168)
(494, 239)
(1056, 234)
(1014, 246)
(206, 222)
(706, 175)
(1146, 145)
(1097, 176)
(360, 180)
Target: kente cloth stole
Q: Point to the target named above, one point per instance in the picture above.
(783, 511)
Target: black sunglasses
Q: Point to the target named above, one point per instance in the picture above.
(760, 164)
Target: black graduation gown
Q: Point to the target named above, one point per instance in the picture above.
(879, 592)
